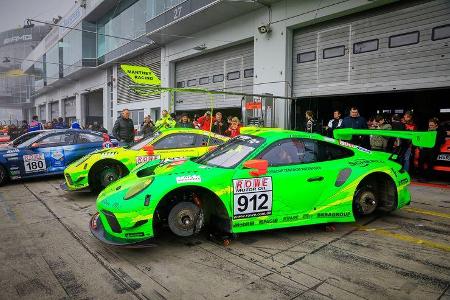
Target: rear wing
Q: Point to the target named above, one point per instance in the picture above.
(425, 139)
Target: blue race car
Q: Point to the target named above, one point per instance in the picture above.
(49, 152)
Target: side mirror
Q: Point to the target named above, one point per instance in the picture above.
(149, 149)
(258, 166)
(34, 145)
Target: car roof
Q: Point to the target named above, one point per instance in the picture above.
(192, 130)
(277, 132)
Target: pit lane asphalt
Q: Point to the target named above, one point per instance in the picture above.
(47, 251)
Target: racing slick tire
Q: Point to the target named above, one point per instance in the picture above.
(3, 175)
(365, 201)
(107, 175)
(185, 219)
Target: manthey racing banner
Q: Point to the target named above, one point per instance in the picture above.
(141, 75)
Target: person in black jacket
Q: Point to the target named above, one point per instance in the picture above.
(355, 121)
(123, 129)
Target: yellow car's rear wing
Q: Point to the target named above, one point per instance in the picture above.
(425, 139)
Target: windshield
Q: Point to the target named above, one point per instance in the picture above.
(21, 139)
(30, 141)
(145, 141)
(230, 154)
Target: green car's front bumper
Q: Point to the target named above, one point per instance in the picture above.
(97, 227)
(76, 180)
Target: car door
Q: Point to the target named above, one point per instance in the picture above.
(292, 185)
(47, 154)
(176, 145)
(85, 143)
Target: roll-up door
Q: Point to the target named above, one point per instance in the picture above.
(397, 47)
(230, 69)
(151, 59)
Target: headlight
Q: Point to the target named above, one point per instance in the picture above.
(137, 188)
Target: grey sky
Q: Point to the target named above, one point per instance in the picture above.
(14, 12)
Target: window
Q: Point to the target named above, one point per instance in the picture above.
(291, 151)
(404, 39)
(57, 140)
(204, 139)
(203, 80)
(248, 73)
(89, 138)
(180, 84)
(218, 78)
(441, 32)
(333, 52)
(366, 46)
(306, 57)
(328, 151)
(192, 82)
(234, 75)
(176, 141)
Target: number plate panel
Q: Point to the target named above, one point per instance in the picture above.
(34, 163)
(252, 197)
(444, 157)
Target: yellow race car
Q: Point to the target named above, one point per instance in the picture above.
(99, 168)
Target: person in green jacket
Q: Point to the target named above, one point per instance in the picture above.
(166, 121)
(378, 142)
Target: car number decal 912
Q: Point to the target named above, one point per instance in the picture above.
(147, 158)
(252, 197)
(34, 163)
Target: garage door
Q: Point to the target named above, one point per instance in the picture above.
(230, 69)
(151, 59)
(69, 107)
(398, 47)
(54, 109)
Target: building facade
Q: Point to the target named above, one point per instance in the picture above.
(379, 55)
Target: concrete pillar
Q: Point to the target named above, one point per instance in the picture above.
(106, 107)
(61, 108)
(114, 98)
(273, 72)
(80, 111)
(167, 79)
(48, 111)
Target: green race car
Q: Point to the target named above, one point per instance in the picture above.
(98, 169)
(262, 179)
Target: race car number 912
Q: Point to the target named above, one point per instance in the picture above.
(34, 163)
(252, 197)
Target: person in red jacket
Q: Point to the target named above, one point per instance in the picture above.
(234, 129)
(205, 122)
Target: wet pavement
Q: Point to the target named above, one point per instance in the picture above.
(47, 251)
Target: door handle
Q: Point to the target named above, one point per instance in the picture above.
(319, 178)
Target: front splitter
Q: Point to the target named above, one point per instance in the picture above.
(98, 230)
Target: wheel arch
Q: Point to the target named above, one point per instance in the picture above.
(217, 216)
(107, 161)
(385, 188)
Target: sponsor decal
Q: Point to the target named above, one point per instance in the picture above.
(147, 158)
(108, 154)
(444, 157)
(57, 155)
(244, 224)
(252, 197)
(189, 178)
(12, 151)
(268, 221)
(290, 218)
(334, 214)
(328, 139)
(363, 162)
(347, 144)
(294, 169)
(403, 181)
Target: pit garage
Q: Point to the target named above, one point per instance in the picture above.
(386, 60)
(229, 69)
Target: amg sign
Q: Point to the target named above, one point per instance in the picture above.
(15, 39)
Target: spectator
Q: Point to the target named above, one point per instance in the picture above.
(428, 156)
(378, 142)
(166, 120)
(48, 125)
(394, 143)
(184, 122)
(235, 128)
(123, 129)
(148, 126)
(75, 125)
(310, 123)
(408, 121)
(334, 123)
(218, 124)
(98, 127)
(195, 122)
(355, 121)
(59, 124)
(205, 122)
(13, 131)
(35, 125)
(24, 127)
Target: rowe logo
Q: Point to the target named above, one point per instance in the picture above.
(14, 39)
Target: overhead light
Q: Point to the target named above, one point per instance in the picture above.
(264, 29)
(6, 60)
(200, 47)
(28, 24)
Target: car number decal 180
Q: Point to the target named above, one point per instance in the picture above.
(252, 197)
(34, 163)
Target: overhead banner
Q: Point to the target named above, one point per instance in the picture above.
(141, 75)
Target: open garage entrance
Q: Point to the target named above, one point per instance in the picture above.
(424, 103)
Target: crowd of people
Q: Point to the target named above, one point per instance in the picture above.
(426, 158)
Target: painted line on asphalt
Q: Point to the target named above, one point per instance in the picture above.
(426, 212)
(407, 238)
(433, 185)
